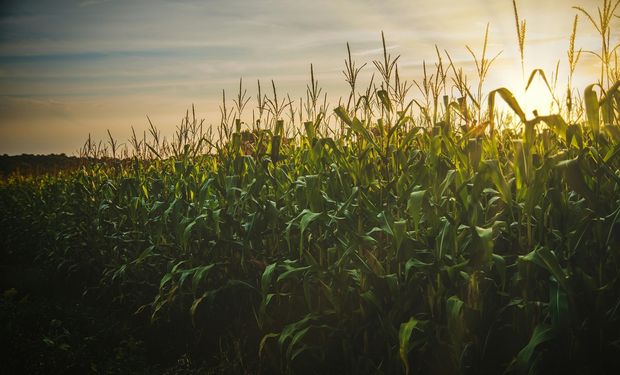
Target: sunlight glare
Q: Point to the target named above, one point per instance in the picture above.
(536, 98)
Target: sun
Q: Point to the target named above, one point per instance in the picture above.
(537, 97)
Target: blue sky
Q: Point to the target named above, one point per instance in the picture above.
(70, 68)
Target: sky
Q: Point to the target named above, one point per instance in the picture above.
(70, 68)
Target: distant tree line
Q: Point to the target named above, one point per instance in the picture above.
(27, 164)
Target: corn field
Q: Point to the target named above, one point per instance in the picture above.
(451, 233)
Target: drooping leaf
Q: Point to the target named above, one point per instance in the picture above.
(509, 98)
(541, 335)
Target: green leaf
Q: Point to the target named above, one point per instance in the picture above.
(414, 206)
(299, 335)
(371, 298)
(574, 135)
(482, 253)
(415, 263)
(454, 306)
(545, 258)
(590, 99)
(612, 152)
(402, 120)
(540, 335)
(509, 98)
(575, 178)
(404, 339)
(474, 151)
(614, 131)
(187, 232)
(558, 307)
(409, 136)
(145, 254)
(556, 123)
(357, 126)
(199, 275)
(607, 103)
(342, 113)
(267, 277)
(385, 100)
(307, 217)
(492, 167)
(386, 224)
(486, 234)
(447, 181)
(292, 272)
(500, 265)
(400, 231)
(291, 329)
(309, 126)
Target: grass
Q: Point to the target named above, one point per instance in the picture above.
(381, 235)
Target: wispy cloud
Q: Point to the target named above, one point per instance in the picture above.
(87, 3)
(375, 51)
